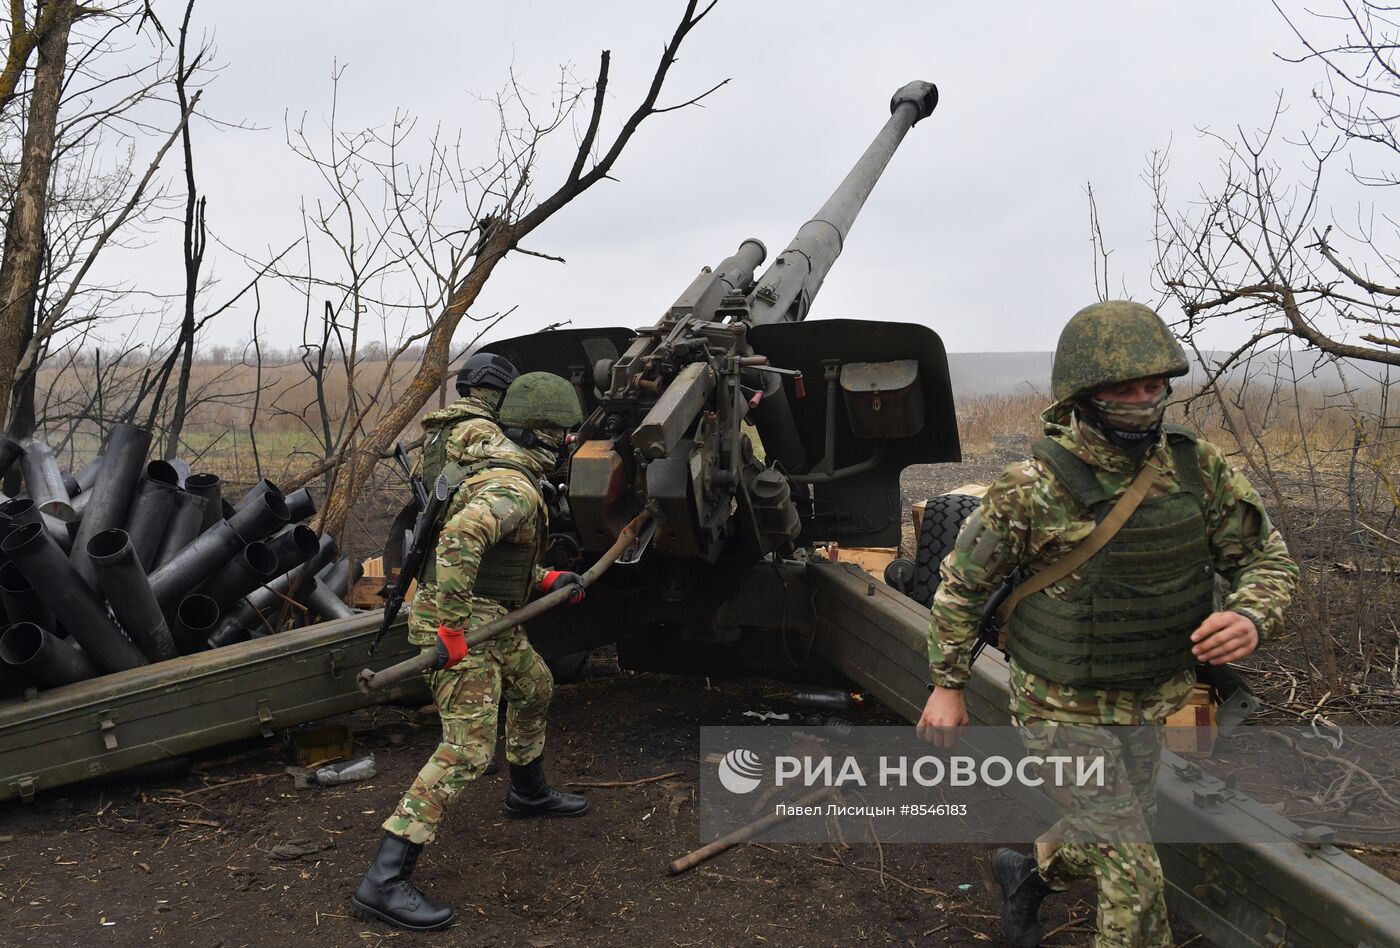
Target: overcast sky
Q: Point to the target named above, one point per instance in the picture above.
(978, 229)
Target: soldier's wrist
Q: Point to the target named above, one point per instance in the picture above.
(945, 680)
(1253, 617)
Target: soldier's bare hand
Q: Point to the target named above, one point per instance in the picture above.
(1224, 637)
(944, 715)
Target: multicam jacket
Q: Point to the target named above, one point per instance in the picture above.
(1027, 519)
(496, 505)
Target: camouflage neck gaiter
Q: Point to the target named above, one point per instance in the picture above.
(1132, 426)
(1137, 417)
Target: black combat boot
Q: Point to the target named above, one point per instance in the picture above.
(1022, 889)
(531, 795)
(386, 894)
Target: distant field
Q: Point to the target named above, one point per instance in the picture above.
(999, 396)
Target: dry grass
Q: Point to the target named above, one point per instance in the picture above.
(243, 422)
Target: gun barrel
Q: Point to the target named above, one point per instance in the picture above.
(785, 292)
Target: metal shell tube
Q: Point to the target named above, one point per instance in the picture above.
(22, 510)
(251, 612)
(195, 619)
(44, 479)
(122, 461)
(294, 546)
(300, 505)
(22, 603)
(194, 564)
(149, 517)
(244, 572)
(163, 471)
(128, 591)
(268, 600)
(186, 522)
(87, 477)
(70, 484)
(260, 517)
(10, 452)
(85, 480)
(326, 604)
(326, 552)
(338, 577)
(263, 486)
(211, 488)
(12, 683)
(33, 652)
(230, 631)
(72, 600)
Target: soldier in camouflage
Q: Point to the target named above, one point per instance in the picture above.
(1115, 642)
(449, 436)
(486, 564)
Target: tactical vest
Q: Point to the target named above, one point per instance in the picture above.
(507, 569)
(1128, 623)
(435, 447)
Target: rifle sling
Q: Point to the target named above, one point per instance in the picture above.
(1081, 554)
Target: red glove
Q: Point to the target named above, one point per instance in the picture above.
(555, 579)
(451, 646)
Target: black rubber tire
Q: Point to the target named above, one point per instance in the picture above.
(943, 518)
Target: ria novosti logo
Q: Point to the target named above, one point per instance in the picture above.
(740, 771)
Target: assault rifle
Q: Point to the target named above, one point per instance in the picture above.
(989, 630)
(422, 544)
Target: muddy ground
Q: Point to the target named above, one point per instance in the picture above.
(193, 860)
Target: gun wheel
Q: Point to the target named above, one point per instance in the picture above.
(943, 518)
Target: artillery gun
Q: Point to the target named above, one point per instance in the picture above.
(751, 433)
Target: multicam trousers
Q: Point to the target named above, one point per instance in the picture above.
(1103, 830)
(467, 696)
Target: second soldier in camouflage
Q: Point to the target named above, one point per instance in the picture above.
(487, 563)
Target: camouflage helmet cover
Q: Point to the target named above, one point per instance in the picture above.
(1111, 342)
(540, 400)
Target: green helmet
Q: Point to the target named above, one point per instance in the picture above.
(1113, 342)
(540, 400)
